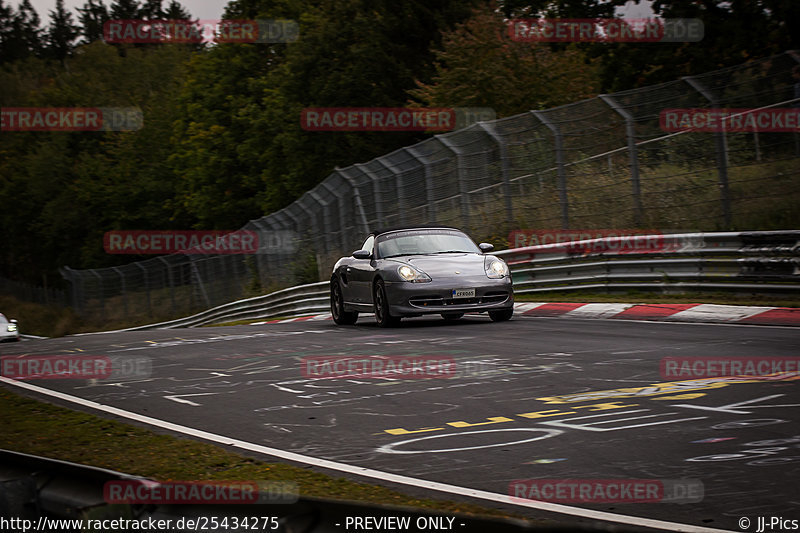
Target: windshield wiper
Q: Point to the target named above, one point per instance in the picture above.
(451, 252)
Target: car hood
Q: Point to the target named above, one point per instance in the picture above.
(466, 264)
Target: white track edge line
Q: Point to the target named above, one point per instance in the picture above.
(368, 472)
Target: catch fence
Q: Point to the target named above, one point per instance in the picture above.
(605, 162)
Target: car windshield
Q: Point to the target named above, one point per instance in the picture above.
(423, 242)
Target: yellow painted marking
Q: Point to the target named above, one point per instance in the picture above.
(491, 419)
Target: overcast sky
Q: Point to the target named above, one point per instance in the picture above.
(201, 9)
(212, 9)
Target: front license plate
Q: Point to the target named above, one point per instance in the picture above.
(463, 293)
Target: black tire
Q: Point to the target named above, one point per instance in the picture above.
(502, 315)
(452, 317)
(382, 315)
(340, 316)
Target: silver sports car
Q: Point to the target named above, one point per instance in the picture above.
(414, 271)
(8, 329)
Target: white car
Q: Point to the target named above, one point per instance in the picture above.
(8, 329)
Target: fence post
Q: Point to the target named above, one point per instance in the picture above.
(504, 169)
(357, 198)
(376, 192)
(429, 196)
(462, 179)
(722, 151)
(124, 291)
(171, 283)
(401, 196)
(102, 291)
(200, 285)
(342, 221)
(146, 286)
(326, 219)
(633, 155)
(75, 293)
(562, 175)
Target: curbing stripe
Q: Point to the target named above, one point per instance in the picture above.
(705, 313)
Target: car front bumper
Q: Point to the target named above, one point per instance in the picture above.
(9, 336)
(406, 299)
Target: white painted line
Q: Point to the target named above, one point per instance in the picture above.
(368, 472)
(598, 310)
(725, 313)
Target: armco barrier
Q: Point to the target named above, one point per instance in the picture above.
(42, 490)
(745, 262)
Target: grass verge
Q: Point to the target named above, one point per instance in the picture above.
(48, 430)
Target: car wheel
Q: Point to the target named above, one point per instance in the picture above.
(452, 317)
(340, 316)
(382, 316)
(502, 315)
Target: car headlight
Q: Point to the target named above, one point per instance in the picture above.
(495, 268)
(413, 275)
(12, 327)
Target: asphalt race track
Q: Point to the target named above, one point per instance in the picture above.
(533, 398)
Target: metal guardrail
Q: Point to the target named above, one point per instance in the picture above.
(758, 262)
(751, 262)
(311, 298)
(39, 491)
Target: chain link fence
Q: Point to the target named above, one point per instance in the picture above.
(604, 162)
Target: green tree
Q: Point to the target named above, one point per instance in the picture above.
(61, 33)
(23, 38)
(479, 66)
(92, 16)
(241, 150)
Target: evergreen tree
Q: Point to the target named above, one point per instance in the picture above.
(61, 33)
(24, 38)
(6, 29)
(124, 9)
(152, 10)
(175, 11)
(92, 16)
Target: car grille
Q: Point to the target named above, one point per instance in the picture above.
(438, 301)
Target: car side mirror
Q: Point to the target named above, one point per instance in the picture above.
(486, 247)
(362, 254)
